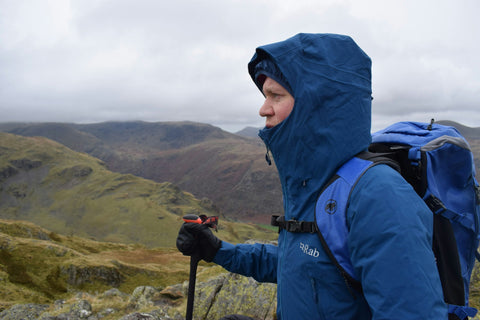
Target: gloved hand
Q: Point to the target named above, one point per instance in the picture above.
(198, 240)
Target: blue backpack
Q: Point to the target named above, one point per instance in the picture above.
(437, 161)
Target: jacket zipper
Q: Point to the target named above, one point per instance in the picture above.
(267, 155)
(281, 262)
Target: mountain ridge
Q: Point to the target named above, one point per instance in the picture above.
(227, 168)
(201, 159)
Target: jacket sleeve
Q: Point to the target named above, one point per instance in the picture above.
(253, 260)
(390, 243)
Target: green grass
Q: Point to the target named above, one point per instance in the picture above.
(36, 265)
(26, 277)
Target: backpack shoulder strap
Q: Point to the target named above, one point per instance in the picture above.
(331, 209)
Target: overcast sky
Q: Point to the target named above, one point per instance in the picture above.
(106, 60)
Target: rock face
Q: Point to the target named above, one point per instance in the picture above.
(231, 293)
(77, 276)
(28, 311)
(225, 294)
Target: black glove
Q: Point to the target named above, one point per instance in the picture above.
(198, 240)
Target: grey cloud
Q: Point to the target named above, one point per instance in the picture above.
(90, 61)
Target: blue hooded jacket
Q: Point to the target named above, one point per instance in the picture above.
(390, 228)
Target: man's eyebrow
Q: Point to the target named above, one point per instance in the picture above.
(271, 88)
(267, 89)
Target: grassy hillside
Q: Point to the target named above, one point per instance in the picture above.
(64, 133)
(73, 193)
(40, 266)
(199, 158)
(77, 264)
(235, 176)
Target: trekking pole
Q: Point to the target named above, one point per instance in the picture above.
(191, 286)
(212, 222)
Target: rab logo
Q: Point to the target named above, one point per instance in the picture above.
(331, 206)
(307, 250)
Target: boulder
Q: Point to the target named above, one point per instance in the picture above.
(142, 296)
(231, 293)
(174, 292)
(81, 309)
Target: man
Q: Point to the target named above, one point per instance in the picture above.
(317, 90)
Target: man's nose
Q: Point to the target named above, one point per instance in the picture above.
(266, 110)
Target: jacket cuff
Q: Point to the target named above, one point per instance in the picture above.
(224, 253)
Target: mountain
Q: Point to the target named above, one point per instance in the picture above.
(248, 132)
(65, 134)
(202, 159)
(229, 169)
(467, 132)
(73, 193)
(158, 136)
(199, 158)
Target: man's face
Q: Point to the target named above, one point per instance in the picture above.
(278, 103)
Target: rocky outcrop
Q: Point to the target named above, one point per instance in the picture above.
(28, 311)
(77, 276)
(77, 171)
(7, 172)
(26, 164)
(227, 293)
(231, 293)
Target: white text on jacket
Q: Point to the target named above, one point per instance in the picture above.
(307, 250)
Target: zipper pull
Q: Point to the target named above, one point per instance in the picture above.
(429, 128)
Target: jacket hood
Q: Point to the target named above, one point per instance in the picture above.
(329, 77)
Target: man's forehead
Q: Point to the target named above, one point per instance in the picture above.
(269, 84)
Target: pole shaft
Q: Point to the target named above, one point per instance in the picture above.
(191, 287)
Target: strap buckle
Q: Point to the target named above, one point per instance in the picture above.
(435, 204)
(292, 225)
